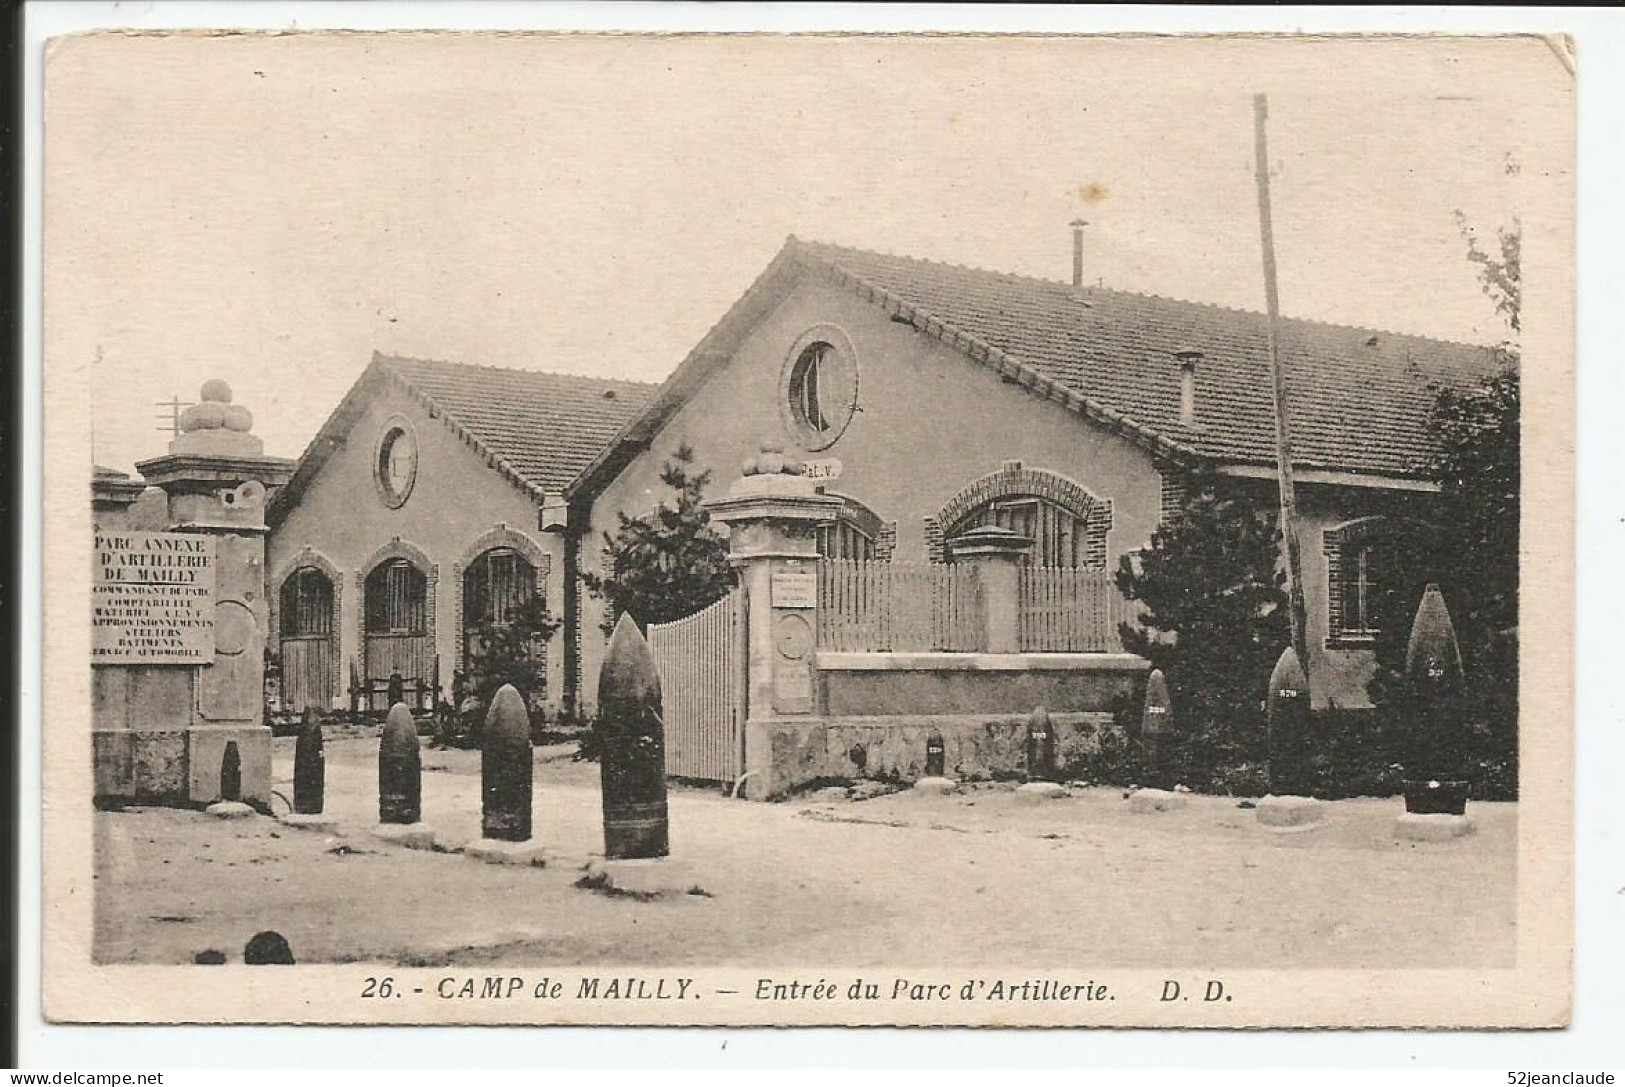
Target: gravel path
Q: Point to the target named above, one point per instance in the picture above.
(976, 879)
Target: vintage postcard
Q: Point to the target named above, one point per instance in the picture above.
(809, 530)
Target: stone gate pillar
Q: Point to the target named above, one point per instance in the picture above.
(998, 554)
(161, 729)
(773, 512)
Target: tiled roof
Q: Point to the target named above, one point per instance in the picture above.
(1359, 397)
(545, 427)
(538, 429)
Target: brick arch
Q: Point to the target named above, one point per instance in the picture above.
(498, 536)
(882, 532)
(397, 548)
(308, 557)
(1341, 540)
(1011, 481)
(856, 511)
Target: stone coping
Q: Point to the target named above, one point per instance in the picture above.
(980, 662)
(927, 720)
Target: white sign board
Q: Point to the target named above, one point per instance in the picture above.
(152, 598)
(794, 589)
(822, 470)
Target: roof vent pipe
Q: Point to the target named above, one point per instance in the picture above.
(1188, 359)
(1077, 252)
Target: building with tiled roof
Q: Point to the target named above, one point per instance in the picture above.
(431, 500)
(942, 398)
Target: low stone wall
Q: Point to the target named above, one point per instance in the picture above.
(178, 767)
(786, 753)
(888, 684)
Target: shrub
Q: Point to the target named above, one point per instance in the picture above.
(1214, 620)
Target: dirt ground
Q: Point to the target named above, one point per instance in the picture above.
(975, 879)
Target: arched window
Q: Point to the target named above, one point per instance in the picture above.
(854, 534)
(306, 606)
(1060, 535)
(1376, 569)
(397, 599)
(496, 585)
(1067, 523)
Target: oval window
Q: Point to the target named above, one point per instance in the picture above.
(397, 466)
(823, 393)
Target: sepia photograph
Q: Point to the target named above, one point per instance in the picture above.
(1024, 530)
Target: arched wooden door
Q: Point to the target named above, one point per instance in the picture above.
(399, 638)
(307, 636)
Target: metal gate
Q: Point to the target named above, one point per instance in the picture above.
(702, 688)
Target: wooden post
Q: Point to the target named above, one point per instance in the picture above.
(1283, 438)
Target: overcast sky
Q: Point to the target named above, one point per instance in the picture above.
(272, 209)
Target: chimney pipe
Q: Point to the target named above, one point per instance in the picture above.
(1077, 251)
(1188, 358)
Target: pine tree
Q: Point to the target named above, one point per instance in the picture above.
(670, 562)
(1214, 620)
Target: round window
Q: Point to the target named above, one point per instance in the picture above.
(397, 466)
(821, 389)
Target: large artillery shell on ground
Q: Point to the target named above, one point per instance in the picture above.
(1433, 738)
(400, 769)
(1040, 746)
(506, 769)
(1432, 656)
(632, 748)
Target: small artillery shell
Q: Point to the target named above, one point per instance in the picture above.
(309, 767)
(400, 769)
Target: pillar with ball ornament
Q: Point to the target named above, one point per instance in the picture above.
(163, 720)
(773, 511)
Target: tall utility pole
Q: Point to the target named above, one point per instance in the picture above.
(1283, 438)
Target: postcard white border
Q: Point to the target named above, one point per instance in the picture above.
(1600, 867)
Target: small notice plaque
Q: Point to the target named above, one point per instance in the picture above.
(824, 471)
(792, 687)
(795, 589)
(152, 598)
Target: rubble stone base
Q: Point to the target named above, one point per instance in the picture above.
(494, 851)
(1155, 800)
(1290, 811)
(657, 876)
(1432, 828)
(409, 835)
(229, 809)
(309, 821)
(936, 786)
